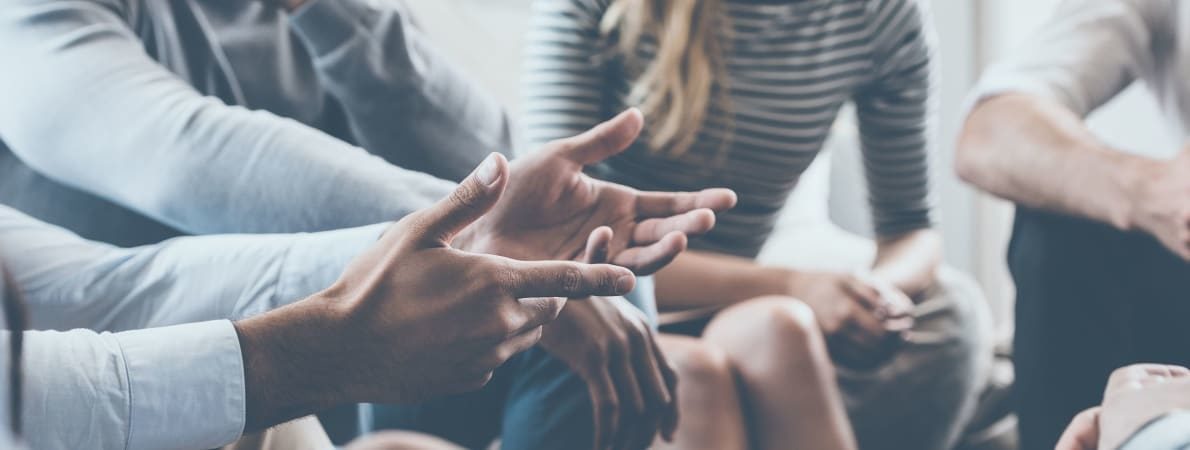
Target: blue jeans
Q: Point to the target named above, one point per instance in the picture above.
(534, 401)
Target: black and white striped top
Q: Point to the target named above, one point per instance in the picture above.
(791, 66)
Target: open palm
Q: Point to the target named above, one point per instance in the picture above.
(551, 206)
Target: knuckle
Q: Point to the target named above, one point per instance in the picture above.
(467, 195)
(571, 279)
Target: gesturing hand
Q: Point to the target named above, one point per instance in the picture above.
(863, 318)
(551, 207)
(610, 345)
(412, 318)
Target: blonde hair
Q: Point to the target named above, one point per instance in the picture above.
(673, 90)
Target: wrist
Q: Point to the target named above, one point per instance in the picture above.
(1133, 181)
(288, 356)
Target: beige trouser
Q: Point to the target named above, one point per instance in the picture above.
(299, 434)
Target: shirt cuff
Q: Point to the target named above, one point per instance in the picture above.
(186, 385)
(1171, 431)
(316, 260)
(325, 25)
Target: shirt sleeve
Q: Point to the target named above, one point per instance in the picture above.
(404, 100)
(86, 106)
(1088, 52)
(895, 113)
(565, 76)
(179, 387)
(1169, 432)
(69, 282)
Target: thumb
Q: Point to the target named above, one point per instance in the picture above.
(473, 198)
(603, 141)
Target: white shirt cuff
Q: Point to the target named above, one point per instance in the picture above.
(186, 385)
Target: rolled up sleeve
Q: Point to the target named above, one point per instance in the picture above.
(1088, 52)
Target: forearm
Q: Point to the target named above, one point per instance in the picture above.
(173, 387)
(700, 279)
(69, 282)
(910, 261)
(1036, 153)
(289, 362)
(129, 130)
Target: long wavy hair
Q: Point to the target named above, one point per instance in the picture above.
(675, 88)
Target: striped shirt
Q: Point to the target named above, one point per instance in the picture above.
(790, 68)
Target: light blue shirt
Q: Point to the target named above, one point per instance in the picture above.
(107, 383)
(132, 121)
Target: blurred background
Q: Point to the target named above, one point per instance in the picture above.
(485, 38)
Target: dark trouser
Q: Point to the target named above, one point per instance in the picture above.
(534, 401)
(1090, 299)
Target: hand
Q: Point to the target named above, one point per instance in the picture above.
(609, 343)
(1082, 433)
(552, 207)
(863, 318)
(412, 318)
(1138, 394)
(1161, 202)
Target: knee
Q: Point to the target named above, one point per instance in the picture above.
(701, 364)
(766, 322)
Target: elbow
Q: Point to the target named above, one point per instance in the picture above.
(973, 148)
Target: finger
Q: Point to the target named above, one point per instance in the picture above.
(669, 424)
(867, 294)
(656, 389)
(632, 402)
(692, 223)
(598, 245)
(1083, 432)
(1179, 371)
(607, 408)
(665, 204)
(473, 198)
(538, 311)
(603, 141)
(649, 259)
(514, 345)
(566, 279)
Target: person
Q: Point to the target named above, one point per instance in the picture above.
(275, 117)
(743, 94)
(1099, 243)
(1145, 406)
(151, 361)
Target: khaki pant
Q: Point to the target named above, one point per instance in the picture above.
(299, 434)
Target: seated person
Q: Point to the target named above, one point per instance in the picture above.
(743, 94)
(1145, 407)
(1100, 249)
(132, 121)
(409, 319)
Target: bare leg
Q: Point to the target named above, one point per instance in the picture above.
(708, 399)
(790, 394)
(400, 440)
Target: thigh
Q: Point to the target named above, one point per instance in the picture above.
(924, 396)
(1073, 318)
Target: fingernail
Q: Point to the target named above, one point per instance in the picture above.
(488, 172)
(624, 284)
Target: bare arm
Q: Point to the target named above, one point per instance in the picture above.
(1038, 153)
(698, 279)
(910, 261)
